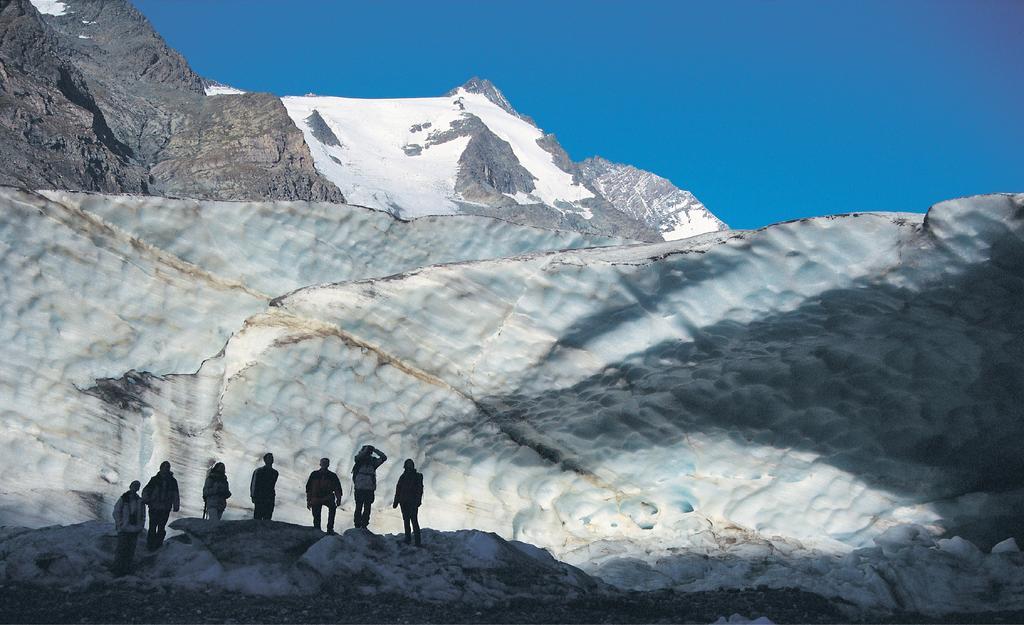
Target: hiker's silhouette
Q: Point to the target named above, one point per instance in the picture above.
(409, 495)
(216, 492)
(161, 495)
(323, 488)
(129, 521)
(364, 481)
(261, 489)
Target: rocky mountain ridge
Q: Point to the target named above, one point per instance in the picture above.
(93, 99)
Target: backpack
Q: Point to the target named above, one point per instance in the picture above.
(365, 476)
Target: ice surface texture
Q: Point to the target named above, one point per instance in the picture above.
(159, 288)
(775, 399)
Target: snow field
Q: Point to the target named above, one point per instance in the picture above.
(219, 89)
(372, 169)
(50, 7)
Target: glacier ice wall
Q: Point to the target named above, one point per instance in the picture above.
(795, 391)
(96, 286)
(276, 247)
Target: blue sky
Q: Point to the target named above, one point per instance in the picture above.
(766, 110)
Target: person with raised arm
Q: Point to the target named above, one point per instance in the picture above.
(364, 481)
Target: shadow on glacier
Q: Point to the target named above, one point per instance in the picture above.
(645, 298)
(917, 392)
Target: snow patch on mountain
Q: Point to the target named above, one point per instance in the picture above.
(50, 7)
(212, 87)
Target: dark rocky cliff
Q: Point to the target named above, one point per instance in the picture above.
(95, 100)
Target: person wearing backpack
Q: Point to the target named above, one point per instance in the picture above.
(261, 489)
(216, 492)
(364, 481)
(129, 521)
(161, 495)
(323, 488)
(409, 495)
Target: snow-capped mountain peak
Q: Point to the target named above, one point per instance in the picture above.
(469, 151)
(487, 89)
(427, 156)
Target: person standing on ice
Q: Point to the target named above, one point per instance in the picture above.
(364, 481)
(216, 492)
(129, 521)
(261, 489)
(323, 488)
(409, 495)
(161, 495)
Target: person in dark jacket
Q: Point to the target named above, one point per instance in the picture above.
(216, 492)
(261, 489)
(161, 495)
(364, 481)
(409, 495)
(129, 521)
(323, 488)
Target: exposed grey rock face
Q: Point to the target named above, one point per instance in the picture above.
(239, 147)
(121, 46)
(488, 162)
(488, 168)
(561, 158)
(95, 100)
(145, 88)
(52, 132)
(321, 130)
(648, 198)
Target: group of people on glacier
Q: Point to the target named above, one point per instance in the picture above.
(323, 490)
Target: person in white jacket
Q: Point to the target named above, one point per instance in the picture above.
(129, 521)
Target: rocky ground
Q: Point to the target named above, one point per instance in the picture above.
(23, 603)
(26, 603)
